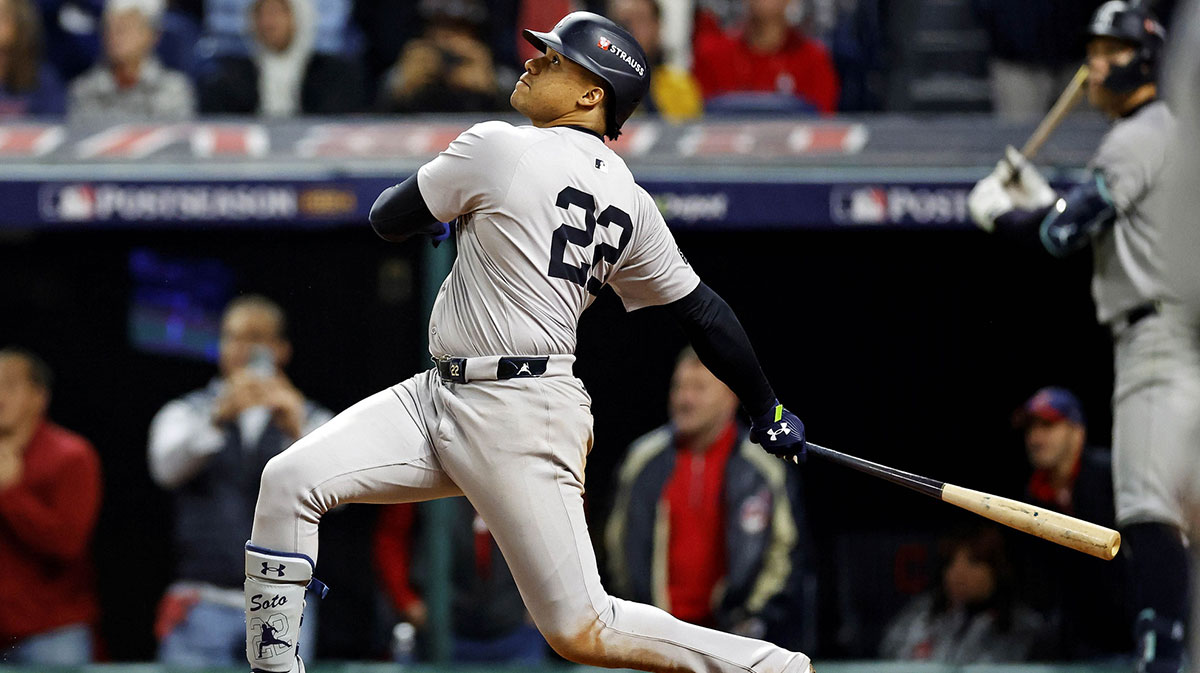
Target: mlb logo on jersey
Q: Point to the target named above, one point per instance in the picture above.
(604, 43)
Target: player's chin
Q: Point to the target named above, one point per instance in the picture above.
(518, 97)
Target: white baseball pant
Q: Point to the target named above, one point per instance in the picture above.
(517, 449)
(1156, 418)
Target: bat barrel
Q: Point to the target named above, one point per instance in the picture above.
(1068, 531)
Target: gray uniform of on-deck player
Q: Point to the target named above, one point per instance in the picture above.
(1157, 359)
(542, 214)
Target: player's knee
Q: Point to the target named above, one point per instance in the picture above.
(580, 645)
(284, 483)
(574, 646)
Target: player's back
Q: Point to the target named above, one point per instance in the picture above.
(547, 217)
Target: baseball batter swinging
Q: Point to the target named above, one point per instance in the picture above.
(547, 215)
(1121, 210)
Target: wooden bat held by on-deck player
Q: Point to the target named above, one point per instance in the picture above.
(1068, 531)
(1066, 101)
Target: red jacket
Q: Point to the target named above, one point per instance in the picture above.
(46, 523)
(724, 63)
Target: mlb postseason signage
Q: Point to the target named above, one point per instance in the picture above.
(720, 173)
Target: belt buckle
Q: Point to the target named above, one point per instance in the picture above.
(453, 370)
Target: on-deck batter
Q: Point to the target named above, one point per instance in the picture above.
(547, 216)
(1122, 210)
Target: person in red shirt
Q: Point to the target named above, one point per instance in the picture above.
(704, 527)
(49, 501)
(767, 55)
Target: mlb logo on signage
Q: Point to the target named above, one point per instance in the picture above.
(70, 203)
(864, 205)
(604, 43)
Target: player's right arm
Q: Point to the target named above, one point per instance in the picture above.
(400, 213)
(470, 175)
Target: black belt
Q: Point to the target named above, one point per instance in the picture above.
(455, 369)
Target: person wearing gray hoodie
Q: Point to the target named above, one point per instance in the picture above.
(283, 76)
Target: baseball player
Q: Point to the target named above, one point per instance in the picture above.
(547, 215)
(1120, 210)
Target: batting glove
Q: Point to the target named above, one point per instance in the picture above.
(989, 199)
(1028, 189)
(779, 432)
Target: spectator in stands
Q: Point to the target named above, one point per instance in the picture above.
(49, 501)
(449, 68)
(28, 85)
(973, 615)
(1084, 601)
(674, 93)
(131, 83)
(72, 36)
(1035, 48)
(722, 520)
(283, 76)
(226, 23)
(209, 448)
(489, 622)
(768, 56)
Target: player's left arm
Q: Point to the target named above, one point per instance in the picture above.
(723, 346)
(400, 213)
(1016, 202)
(654, 272)
(1066, 225)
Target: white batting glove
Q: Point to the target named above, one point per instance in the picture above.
(1028, 189)
(989, 200)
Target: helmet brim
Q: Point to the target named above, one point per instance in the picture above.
(542, 41)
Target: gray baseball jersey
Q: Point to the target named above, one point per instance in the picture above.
(546, 217)
(1134, 156)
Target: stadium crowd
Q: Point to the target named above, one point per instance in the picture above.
(173, 59)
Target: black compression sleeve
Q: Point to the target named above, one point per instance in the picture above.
(1023, 227)
(400, 212)
(723, 347)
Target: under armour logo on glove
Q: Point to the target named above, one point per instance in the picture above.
(779, 432)
(278, 570)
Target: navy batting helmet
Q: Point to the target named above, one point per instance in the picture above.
(1137, 27)
(607, 51)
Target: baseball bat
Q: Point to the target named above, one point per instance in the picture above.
(1067, 100)
(1067, 531)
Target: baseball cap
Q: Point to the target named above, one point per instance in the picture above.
(1050, 404)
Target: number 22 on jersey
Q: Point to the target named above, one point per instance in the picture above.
(568, 234)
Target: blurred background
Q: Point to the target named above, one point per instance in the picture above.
(158, 161)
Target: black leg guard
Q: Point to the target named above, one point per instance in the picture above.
(1158, 564)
